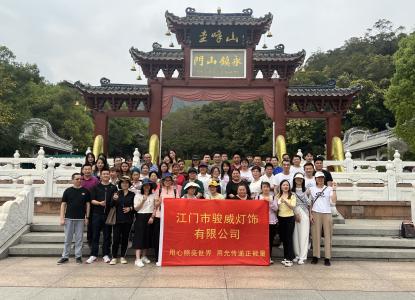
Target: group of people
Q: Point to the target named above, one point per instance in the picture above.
(123, 201)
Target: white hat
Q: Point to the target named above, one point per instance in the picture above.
(299, 175)
(319, 174)
(191, 184)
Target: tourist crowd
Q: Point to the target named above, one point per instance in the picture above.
(122, 202)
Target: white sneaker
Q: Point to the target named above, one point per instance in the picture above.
(271, 262)
(139, 263)
(106, 259)
(296, 259)
(91, 259)
(145, 260)
(289, 263)
(301, 262)
(158, 264)
(113, 261)
(284, 261)
(123, 260)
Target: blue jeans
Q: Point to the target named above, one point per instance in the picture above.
(98, 225)
(73, 227)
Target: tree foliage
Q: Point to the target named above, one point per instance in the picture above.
(401, 93)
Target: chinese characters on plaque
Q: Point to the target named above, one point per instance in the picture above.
(218, 63)
(218, 37)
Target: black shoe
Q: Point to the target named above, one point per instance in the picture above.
(314, 260)
(327, 262)
(62, 261)
(78, 260)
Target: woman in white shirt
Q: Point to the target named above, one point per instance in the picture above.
(245, 172)
(255, 185)
(144, 205)
(322, 197)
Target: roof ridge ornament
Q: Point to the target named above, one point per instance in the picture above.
(190, 10)
(331, 83)
(156, 46)
(104, 81)
(247, 11)
(280, 48)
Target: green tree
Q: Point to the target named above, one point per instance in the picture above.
(401, 93)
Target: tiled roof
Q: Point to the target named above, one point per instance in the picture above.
(328, 90)
(278, 54)
(158, 53)
(195, 18)
(108, 88)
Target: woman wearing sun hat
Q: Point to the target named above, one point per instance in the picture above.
(322, 197)
(144, 204)
(190, 190)
(123, 201)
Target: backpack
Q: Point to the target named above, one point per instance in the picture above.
(408, 229)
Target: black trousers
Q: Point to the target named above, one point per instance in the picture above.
(121, 232)
(273, 228)
(286, 227)
(156, 237)
(98, 225)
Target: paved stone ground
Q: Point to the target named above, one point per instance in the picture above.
(41, 278)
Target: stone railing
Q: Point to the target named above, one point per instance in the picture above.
(361, 180)
(15, 214)
(50, 176)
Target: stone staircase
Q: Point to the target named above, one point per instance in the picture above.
(356, 239)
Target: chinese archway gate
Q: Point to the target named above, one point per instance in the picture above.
(218, 61)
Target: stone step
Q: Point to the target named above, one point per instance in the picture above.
(372, 242)
(345, 229)
(54, 249)
(44, 237)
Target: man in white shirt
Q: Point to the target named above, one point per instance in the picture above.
(284, 175)
(204, 177)
(268, 176)
(296, 165)
(309, 179)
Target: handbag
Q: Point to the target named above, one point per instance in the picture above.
(407, 229)
(112, 216)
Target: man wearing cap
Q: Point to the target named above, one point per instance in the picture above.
(203, 176)
(322, 197)
(213, 191)
(193, 178)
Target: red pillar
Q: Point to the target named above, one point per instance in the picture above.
(280, 125)
(333, 128)
(101, 127)
(155, 109)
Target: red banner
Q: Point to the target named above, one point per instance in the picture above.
(214, 232)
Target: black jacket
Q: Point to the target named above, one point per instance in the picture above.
(100, 193)
(120, 203)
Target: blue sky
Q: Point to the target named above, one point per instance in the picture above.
(86, 40)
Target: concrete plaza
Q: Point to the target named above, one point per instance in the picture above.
(41, 278)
